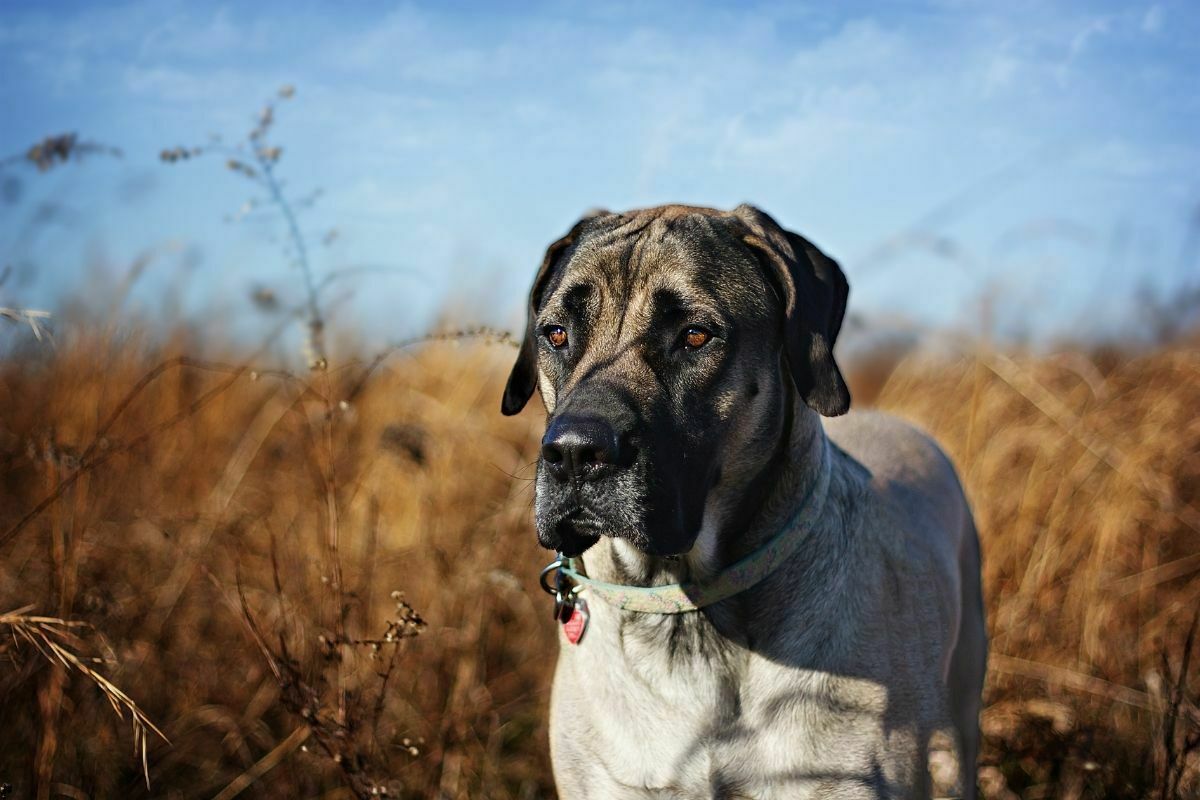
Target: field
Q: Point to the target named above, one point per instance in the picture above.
(324, 585)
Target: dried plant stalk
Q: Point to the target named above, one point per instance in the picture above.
(55, 640)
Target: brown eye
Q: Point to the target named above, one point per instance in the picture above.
(695, 338)
(557, 336)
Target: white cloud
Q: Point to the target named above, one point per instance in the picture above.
(1152, 22)
(1079, 43)
(183, 35)
(410, 44)
(1000, 73)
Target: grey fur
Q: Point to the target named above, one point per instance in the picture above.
(828, 678)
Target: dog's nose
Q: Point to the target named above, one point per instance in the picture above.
(580, 448)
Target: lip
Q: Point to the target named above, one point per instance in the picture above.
(572, 534)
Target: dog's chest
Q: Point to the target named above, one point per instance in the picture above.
(681, 716)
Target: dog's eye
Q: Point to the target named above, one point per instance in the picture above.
(556, 335)
(695, 337)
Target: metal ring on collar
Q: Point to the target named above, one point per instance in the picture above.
(542, 579)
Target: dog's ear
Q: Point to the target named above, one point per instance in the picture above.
(523, 378)
(813, 290)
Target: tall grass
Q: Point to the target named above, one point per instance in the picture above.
(237, 491)
(237, 538)
(1084, 470)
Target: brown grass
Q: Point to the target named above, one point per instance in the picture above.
(1085, 477)
(237, 537)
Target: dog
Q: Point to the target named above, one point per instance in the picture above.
(761, 598)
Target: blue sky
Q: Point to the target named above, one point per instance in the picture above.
(1043, 155)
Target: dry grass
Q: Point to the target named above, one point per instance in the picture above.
(1085, 476)
(57, 641)
(237, 536)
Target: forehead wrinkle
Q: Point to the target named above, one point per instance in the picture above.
(574, 298)
(634, 265)
(628, 266)
(629, 227)
(589, 265)
(674, 278)
(721, 272)
(657, 263)
(674, 293)
(600, 363)
(622, 316)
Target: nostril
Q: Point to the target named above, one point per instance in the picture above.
(580, 448)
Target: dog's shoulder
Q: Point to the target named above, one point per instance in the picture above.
(906, 470)
(912, 521)
(913, 512)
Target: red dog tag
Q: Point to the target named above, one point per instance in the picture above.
(576, 624)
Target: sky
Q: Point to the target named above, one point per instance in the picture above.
(1039, 159)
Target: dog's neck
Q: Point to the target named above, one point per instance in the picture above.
(736, 524)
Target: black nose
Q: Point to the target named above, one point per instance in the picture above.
(580, 448)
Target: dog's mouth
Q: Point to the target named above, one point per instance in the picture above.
(578, 530)
(642, 506)
(572, 534)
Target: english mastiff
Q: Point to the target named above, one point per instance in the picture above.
(761, 598)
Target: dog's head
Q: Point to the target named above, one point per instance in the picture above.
(667, 345)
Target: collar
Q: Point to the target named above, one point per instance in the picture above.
(688, 596)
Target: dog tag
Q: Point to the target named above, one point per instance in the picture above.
(576, 625)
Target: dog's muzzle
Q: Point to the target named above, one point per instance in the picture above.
(585, 456)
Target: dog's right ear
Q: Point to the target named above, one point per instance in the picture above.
(523, 378)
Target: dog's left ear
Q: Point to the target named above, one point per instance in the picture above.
(523, 378)
(814, 292)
